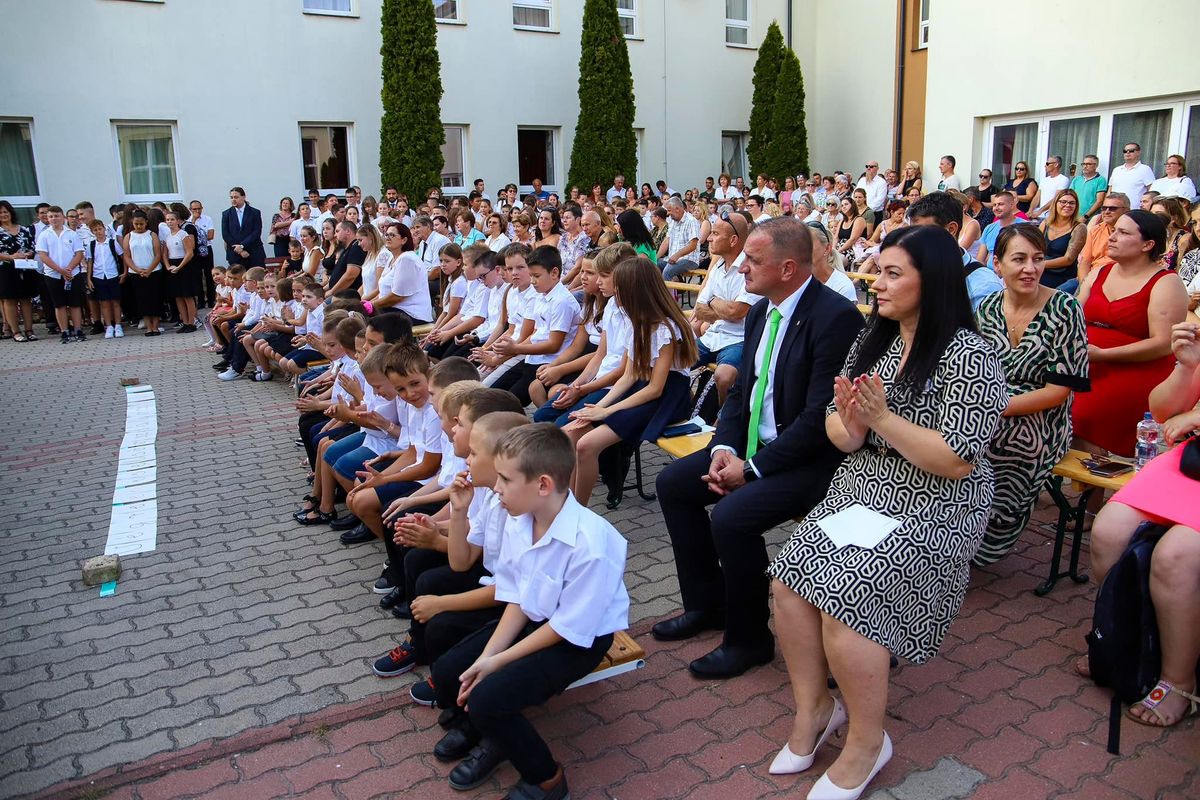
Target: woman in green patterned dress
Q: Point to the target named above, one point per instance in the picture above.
(1040, 337)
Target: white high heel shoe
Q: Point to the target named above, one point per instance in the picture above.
(788, 763)
(825, 789)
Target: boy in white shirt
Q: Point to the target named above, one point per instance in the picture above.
(550, 329)
(263, 303)
(61, 253)
(457, 338)
(297, 361)
(561, 575)
(518, 305)
(105, 272)
(455, 599)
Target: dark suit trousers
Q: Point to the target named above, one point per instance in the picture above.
(722, 561)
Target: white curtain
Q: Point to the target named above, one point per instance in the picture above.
(1073, 139)
(1010, 144)
(328, 5)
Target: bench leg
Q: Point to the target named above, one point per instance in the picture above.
(1067, 514)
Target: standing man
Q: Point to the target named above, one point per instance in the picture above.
(719, 318)
(1131, 178)
(677, 254)
(949, 179)
(770, 459)
(391, 196)
(538, 192)
(1051, 184)
(354, 198)
(709, 194)
(876, 188)
(86, 214)
(479, 187)
(617, 189)
(1091, 188)
(241, 228)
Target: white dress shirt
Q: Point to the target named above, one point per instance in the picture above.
(725, 282)
(487, 520)
(876, 190)
(104, 266)
(556, 310)
(430, 250)
(59, 248)
(573, 576)
(408, 281)
(1131, 182)
(379, 442)
(766, 422)
(618, 335)
(420, 428)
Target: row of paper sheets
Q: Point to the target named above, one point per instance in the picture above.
(133, 527)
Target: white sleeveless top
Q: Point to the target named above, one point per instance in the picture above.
(174, 244)
(141, 249)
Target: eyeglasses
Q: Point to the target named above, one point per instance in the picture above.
(1111, 208)
(1131, 149)
(1019, 169)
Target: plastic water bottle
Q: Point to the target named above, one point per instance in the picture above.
(1147, 441)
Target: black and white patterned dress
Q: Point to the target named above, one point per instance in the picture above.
(17, 284)
(1052, 351)
(905, 592)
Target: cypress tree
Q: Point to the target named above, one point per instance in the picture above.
(787, 153)
(766, 74)
(411, 133)
(605, 143)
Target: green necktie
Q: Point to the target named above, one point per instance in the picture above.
(760, 388)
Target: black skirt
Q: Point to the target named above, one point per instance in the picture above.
(18, 284)
(182, 283)
(147, 292)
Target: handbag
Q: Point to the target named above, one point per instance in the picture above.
(1189, 462)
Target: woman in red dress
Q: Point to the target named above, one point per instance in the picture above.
(1129, 307)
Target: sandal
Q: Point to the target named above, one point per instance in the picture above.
(19, 338)
(1157, 695)
(30, 337)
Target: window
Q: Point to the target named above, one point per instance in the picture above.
(534, 15)
(1150, 129)
(18, 173)
(1191, 147)
(737, 22)
(733, 154)
(627, 15)
(1010, 144)
(446, 10)
(337, 8)
(147, 154)
(1073, 139)
(325, 151)
(923, 26)
(454, 167)
(535, 157)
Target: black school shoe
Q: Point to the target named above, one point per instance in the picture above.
(345, 523)
(477, 767)
(392, 598)
(221, 366)
(527, 791)
(456, 744)
(402, 610)
(357, 536)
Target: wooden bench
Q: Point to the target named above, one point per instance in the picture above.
(865, 309)
(680, 286)
(861, 276)
(697, 273)
(680, 446)
(1071, 468)
(421, 330)
(625, 655)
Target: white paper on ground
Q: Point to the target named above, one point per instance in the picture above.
(133, 527)
(132, 476)
(135, 493)
(857, 525)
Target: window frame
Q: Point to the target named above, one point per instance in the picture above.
(547, 5)
(171, 124)
(634, 14)
(744, 167)
(320, 12)
(351, 163)
(462, 133)
(458, 19)
(746, 24)
(1179, 105)
(27, 200)
(555, 160)
(923, 24)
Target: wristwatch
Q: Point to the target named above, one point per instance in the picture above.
(748, 473)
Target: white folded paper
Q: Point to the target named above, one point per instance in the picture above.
(859, 526)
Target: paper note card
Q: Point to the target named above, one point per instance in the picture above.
(859, 526)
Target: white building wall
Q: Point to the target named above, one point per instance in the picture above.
(237, 78)
(1081, 53)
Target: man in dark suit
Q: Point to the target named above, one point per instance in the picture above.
(241, 228)
(769, 460)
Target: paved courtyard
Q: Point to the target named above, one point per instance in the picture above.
(234, 659)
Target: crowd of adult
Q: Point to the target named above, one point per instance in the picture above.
(1007, 323)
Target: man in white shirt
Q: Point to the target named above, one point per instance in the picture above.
(677, 254)
(949, 180)
(61, 253)
(1132, 178)
(1053, 182)
(479, 187)
(721, 307)
(876, 188)
(429, 245)
(617, 189)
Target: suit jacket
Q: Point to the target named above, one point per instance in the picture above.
(248, 234)
(813, 352)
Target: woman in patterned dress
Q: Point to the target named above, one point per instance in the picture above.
(914, 409)
(1041, 339)
(17, 286)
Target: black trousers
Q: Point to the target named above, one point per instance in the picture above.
(399, 571)
(722, 560)
(497, 701)
(517, 381)
(433, 639)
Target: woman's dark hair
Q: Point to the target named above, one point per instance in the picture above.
(1152, 228)
(647, 190)
(154, 217)
(404, 232)
(395, 328)
(633, 228)
(12, 212)
(1023, 230)
(944, 308)
(555, 223)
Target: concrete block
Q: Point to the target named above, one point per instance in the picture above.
(101, 569)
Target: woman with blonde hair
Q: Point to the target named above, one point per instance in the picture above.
(1174, 212)
(912, 178)
(1066, 234)
(371, 242)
